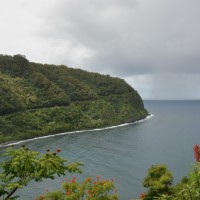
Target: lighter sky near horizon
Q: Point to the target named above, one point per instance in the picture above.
(153, 44)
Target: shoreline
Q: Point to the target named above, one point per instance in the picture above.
(71, 132)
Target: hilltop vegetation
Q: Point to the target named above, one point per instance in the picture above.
(41, 99)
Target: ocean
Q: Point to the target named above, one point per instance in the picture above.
(125, 153)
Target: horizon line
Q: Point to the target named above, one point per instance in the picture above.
(171, 99)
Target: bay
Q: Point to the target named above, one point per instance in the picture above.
(125, 153)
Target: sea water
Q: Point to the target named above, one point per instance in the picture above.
(125, 153)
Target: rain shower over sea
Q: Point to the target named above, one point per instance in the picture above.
(124, 153)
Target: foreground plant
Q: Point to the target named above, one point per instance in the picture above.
(196, 150)
(88, 189)
(23, 165)
(158, 181)
(187, 189)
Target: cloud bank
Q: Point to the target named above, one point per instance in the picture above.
(154, 45)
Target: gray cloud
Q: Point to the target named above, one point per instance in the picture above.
(145, 42)
(167, 85)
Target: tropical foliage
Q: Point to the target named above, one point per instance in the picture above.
(22, 165)
(88, 189)
(40, 99)
(159, 183)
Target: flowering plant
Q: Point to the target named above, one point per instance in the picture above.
(196, 150)
(23, 165)
(88, 189)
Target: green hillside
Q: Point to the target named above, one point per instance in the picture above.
(37, 99)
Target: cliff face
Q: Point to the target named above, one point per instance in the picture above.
(37, 99)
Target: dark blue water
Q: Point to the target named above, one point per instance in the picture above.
(125, 153)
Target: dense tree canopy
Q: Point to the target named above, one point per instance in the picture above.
(37, 99)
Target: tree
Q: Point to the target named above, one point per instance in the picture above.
(23, 165)
(88, 189)
(21, 63)
(20, 60)
(189, 187)
(158, 181)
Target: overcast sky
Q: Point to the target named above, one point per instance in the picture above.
(153, 44)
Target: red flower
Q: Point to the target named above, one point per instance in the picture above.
(89, 191)
(73, 179)
(58, 150)
(98, 177)
(89, 179)
(67, 193)
(142, 195)
(196, 150)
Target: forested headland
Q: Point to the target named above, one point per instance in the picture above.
(42, 99)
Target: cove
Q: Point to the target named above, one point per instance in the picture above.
(125, 153)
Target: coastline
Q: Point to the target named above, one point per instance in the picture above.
(71, 132)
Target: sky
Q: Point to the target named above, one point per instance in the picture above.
(153, 44)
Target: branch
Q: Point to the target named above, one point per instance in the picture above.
(11, 193)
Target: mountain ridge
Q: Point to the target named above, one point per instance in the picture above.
(41, 99)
